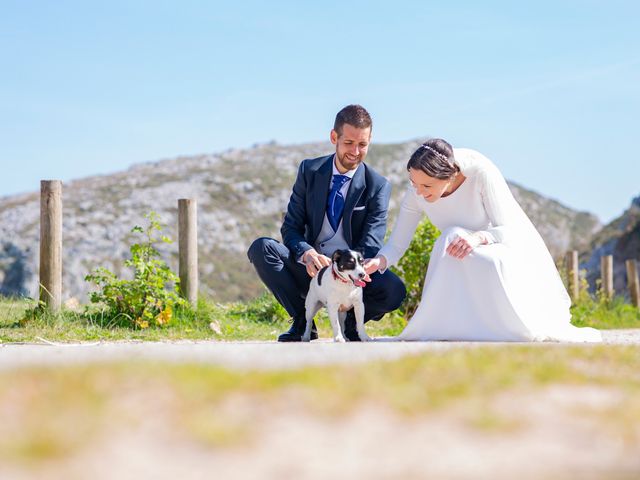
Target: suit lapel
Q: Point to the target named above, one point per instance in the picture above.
(356, 188)
(321, 193)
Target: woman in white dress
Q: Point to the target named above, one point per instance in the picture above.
(490, 276)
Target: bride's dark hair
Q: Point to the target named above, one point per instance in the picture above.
(435, 158)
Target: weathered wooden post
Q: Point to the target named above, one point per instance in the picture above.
(606, 273)
(51, 244)
(571, 264)
(188, 249)
(632, 281)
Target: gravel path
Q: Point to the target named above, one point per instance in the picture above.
(247, 355)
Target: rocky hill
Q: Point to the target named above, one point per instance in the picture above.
(241, 195)
(620, 238)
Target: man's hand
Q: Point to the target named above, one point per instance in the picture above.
(372, 265)
(315, 262)
(463, 245)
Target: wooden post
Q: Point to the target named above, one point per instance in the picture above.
(632, 281)
(51, 244)
(571, 263)
(188, 249)
(606, 272)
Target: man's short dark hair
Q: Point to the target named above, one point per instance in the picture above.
(354, 115)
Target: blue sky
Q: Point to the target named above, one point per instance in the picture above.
(550, 90)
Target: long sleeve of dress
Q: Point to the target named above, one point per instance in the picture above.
(408, 218)
(510, 224)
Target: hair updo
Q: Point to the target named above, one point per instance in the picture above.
(435, 158)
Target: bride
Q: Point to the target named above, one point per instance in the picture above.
(490, 276)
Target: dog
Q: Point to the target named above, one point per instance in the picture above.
(338, 287)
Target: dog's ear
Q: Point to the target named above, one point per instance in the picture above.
(335, 258)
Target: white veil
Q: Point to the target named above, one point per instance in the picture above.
(539, 294)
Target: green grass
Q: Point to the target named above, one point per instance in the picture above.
(261, 319)
(257, 320)
(218, 407)
(605, 314)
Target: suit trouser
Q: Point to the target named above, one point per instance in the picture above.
(289, 282)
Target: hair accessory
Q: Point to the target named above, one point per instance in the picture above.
(435, 152)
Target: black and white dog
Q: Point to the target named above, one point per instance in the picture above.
(338, 287)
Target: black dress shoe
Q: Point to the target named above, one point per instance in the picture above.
(350, 330)
(351, 335)
(297, 330)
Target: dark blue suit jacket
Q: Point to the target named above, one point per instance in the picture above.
(364, 228)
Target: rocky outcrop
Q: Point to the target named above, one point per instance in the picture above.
(15, 270)
(620, 238)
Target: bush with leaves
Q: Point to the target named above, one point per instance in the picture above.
(152, 295)
(598, 310)
(412, 268)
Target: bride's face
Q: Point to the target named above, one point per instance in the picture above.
(429, 188)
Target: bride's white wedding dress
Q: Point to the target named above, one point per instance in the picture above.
(508, 290)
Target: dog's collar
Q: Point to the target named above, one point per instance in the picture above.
(338, 277)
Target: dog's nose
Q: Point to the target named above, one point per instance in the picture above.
(361, 274)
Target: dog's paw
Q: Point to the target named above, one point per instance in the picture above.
(365, 338)
(306, 338)
(339, 338)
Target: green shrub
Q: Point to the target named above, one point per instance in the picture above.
(263, 309)
(150, 298)
(412, 268)
(598, 310)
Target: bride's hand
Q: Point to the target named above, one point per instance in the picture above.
(372, 265)
(464, 245)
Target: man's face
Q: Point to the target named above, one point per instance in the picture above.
(351, 146)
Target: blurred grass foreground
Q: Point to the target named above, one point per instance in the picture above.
(538, 411)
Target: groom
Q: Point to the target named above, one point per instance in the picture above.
(337, 202)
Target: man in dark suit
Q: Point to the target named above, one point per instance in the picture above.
(337, 202)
